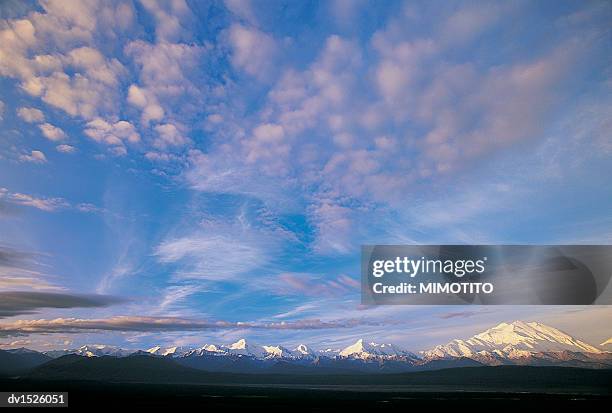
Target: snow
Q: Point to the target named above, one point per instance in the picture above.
(174, 351)
(98, 350)
(518, 339)
(303, 351)
(242, 348)
(363, 350)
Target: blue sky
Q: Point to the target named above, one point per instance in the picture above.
(214, 167)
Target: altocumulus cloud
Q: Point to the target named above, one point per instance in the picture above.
(158, 324)
(14, 303)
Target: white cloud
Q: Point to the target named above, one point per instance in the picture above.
(334, 228)
(52, 54)
(65, 148)
(31, 115)
(49, 204)
(44, 204)
(95, 65)
(34, 157)
(267, 143)
(215, 257)
(164, 67)
(51, 132)
(214, 118)
(168, 15)
(168, 135)
(164, 78)
(253, 50)
(141, 98)
(113, 134)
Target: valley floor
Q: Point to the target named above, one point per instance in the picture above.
(293, 397)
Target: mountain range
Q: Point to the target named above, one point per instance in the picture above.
(515, 343)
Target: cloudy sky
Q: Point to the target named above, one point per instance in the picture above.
(184, 172)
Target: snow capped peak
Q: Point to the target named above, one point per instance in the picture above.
(154, 350)
(278, 352)
(512, 340)
(533, 336)
(212, 348)
(98, 350)
(168, 351)
(304, 350)
(354, 349)
(239, 345)
(363, 350)
(242, 348)
(608, 342)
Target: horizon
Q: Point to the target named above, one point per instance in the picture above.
(181, 351)
(183, 172)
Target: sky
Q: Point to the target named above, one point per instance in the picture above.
(189, 172)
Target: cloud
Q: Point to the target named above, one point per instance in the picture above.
(53, 133)
(168, 73)
(312, 285)
(165, 68)
(18, 270)
(65, 148)
(34, 157)
(151, 110)
(115, 135)
(459, 314)
(31, 115)
(170, 17)
(159, 324)
(468, 22)
(13, 303)
(267, 144)
(168, 135)
(211, 257)
(253, 50)
(52, 54)
(334, 228)
(44, 203)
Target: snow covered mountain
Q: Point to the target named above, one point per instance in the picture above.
(169, 351)
(518, 342)
(363, 350)
(92, 350)
(305, 352)
(607, 344)
(512, 341)
(240, 348)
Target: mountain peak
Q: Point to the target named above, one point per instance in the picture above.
(239, 345)
(364, 350)
(513, 340)
(304, 350)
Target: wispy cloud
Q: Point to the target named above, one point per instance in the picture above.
(44, 203)
(304, 284)
(20, 270)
